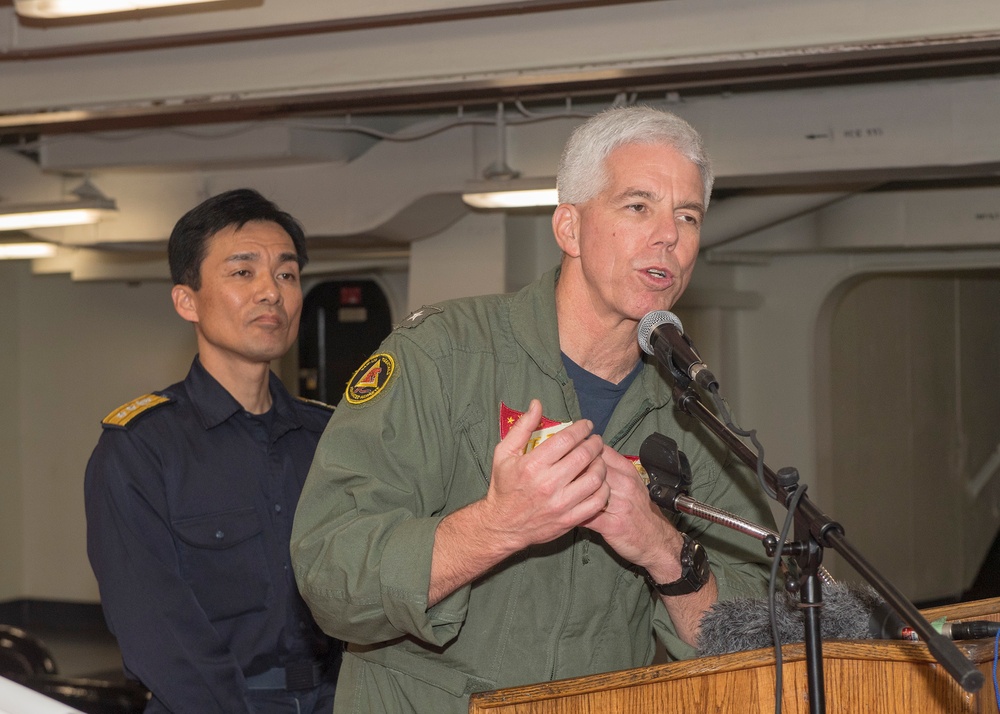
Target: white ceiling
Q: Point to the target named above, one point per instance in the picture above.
(805, 106)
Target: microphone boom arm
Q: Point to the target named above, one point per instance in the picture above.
(686, 504)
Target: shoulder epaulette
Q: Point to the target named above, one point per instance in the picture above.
(418, 316)
(316, 403)
(122, 416)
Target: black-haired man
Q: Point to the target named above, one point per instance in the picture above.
(191, 490)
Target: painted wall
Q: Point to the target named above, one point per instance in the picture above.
(792, 376)
(11, 513)
(914, 387)
(82, 350)
(467, 259)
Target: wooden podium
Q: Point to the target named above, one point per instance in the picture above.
(861, 677)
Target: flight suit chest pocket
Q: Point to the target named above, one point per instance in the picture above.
(224, 560)
(478, 442)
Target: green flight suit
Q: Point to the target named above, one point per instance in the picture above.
(418, 446)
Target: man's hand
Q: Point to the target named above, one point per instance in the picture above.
(636, 529)
(632, 524)
(532, 498)
(538, 496)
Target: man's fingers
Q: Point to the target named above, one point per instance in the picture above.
(554, 445)
(520, 433)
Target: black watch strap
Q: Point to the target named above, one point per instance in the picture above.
(694, 570)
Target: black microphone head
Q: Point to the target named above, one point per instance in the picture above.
(744, 624)
(650, 322)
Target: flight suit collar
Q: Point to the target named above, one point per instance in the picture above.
(536, 329)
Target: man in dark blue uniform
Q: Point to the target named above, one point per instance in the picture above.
(191, 490)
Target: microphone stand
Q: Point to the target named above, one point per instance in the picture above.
(814, 531)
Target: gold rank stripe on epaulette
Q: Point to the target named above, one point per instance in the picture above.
(121, 416)
(316, 403)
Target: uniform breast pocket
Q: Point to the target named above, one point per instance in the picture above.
(223, 558)
(475, 453)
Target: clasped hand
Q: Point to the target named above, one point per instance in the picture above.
(572, 479)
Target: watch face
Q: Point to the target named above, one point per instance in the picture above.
(700, 564)
(687, 557)
(695, 570)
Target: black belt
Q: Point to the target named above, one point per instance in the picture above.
(297, 675)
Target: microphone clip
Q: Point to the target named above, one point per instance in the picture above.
(668, 468)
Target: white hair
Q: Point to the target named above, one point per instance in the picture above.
(582, 171)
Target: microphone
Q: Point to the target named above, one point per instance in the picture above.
(662, 335)
(850, 612)
(887, 625)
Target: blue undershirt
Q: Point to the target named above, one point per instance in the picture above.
(598, 397)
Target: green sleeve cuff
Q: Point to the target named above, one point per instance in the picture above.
(406, 575)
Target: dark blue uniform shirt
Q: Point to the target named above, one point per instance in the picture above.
(189, 514)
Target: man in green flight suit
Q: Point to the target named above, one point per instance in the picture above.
(473, 519)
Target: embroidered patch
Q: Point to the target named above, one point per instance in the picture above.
(643, 474)
(124, 414)
(371, 378)
(545, 429)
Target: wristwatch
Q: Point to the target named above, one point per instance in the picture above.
(694, 570)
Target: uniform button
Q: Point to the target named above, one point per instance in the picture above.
(277, 508)
(219, 535)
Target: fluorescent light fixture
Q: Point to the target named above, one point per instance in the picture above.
(20, 251)
(38, 216)
(50, 9)
(91, 207)
(511, 193)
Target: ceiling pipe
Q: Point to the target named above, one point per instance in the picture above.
(733, 218)
(758, 70)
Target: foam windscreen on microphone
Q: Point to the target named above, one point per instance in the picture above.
(743, 623)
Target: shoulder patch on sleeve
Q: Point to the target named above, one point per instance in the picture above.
(418, 316)
(316, 403)
(126, 413)
(370, 379)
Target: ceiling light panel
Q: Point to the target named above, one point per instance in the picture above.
(51, 9)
